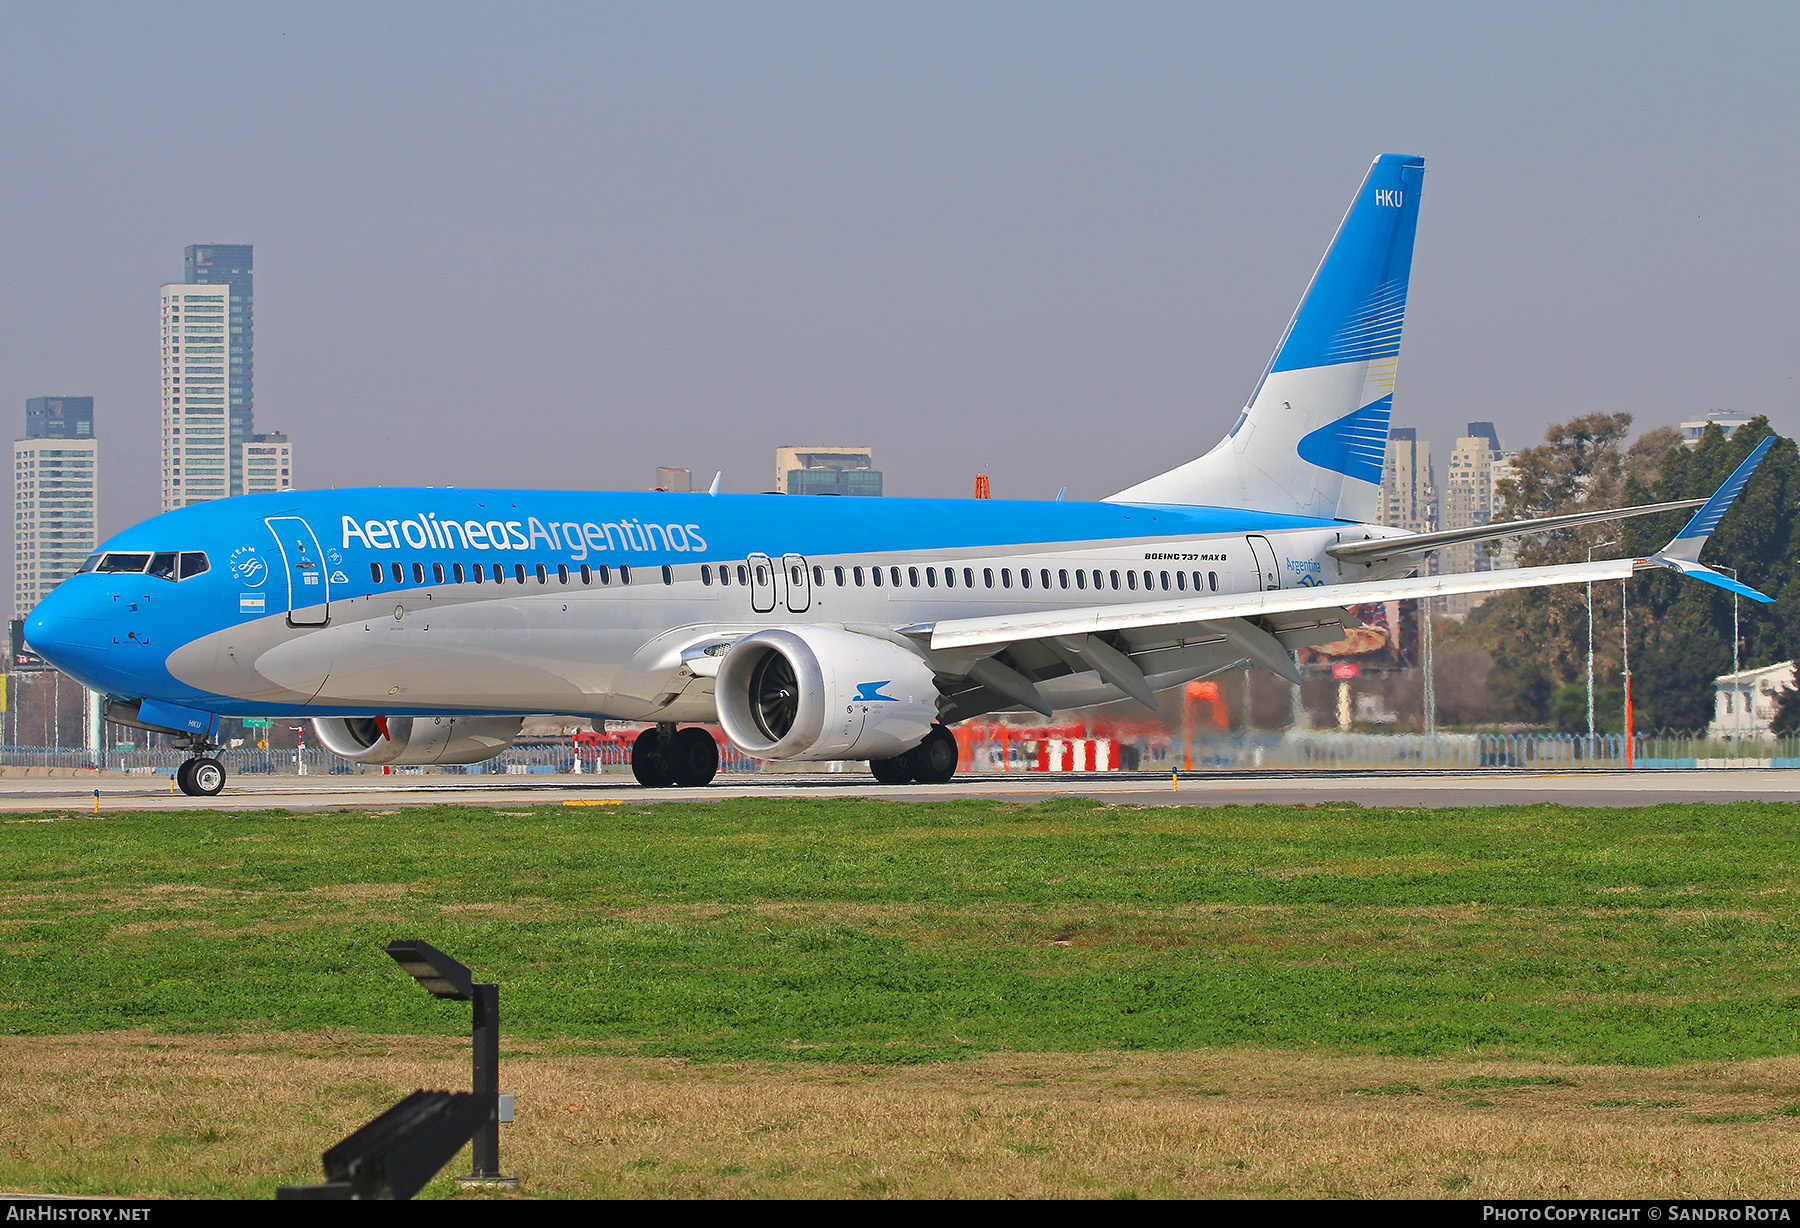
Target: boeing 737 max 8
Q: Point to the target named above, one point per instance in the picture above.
(422, 626)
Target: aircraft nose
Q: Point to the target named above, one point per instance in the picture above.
(70, 630)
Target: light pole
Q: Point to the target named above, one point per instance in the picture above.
(1625, 660)
(443, 977)
(1732, 572)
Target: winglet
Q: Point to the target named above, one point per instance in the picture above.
(1687, 544)
(714, 488)
(1682, 554)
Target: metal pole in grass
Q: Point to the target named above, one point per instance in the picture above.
(443, 977)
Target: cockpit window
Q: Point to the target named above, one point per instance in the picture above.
(93, 561)
(169, 565)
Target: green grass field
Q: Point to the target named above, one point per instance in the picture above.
(881, 932)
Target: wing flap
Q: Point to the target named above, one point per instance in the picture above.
(1089, 620)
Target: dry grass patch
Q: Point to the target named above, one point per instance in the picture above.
(145, 1113)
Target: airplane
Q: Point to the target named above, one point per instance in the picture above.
(421, 626)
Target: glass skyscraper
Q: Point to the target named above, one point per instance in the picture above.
(230, 265)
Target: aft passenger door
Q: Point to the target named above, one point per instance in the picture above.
(762, 583)
(799, 583)
(308, 585)
(1268, 572)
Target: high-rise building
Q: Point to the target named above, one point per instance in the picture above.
(1468, 502)
(1408, 496)
(55, 496)
(1724, 419)
(826, 471)
(268, 464)
(59, 418)
(230, 265)
(196, 439)
(674, 478)
(209, 384)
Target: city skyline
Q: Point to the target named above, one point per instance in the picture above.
(1001, 239)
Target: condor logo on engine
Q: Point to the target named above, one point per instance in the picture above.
(867, 692)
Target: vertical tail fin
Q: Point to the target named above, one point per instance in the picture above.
(1312, 439)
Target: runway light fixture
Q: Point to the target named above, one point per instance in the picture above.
(443, 977)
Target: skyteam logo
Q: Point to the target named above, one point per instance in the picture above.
(867, 692)
(248, 566)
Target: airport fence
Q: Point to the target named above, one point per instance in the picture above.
(1004, 748)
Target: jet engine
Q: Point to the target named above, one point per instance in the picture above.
(824, 693)
(417, 739)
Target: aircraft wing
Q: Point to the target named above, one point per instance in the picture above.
(1377, 549)
(1002, 629)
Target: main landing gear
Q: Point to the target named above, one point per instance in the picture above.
(666, 756)
(931, 762)
(202, 776)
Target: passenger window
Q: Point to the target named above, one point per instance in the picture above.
(605, 574)
(668, 574)
(124, 562)
(1149, 582)
(724, 575)
(1081, 579)
(949, 577)
(1044, 575)
(839, 571)
(1100, 580)
(1006, 577)
(456, 569)
(1062, 578)
(818, 575)
(796, 577)
(1181, 580)
(499, 574)
(587, 574)
(519, 572)
(1212, 580)
(987, 577)
(1115, 580)
(375, 572)
(859, 577)
(480, 573)
(418, 573)
(894, 572)
(762, 577)
(875, 575)
(193, 563)
(705, 573)
(399, 574)
(931, 577)
(542, 575)
(1165, 581)
(968, 577)
(562, 573)
(1024, 577)
(743, 574)
(624, 573)
(437, 573)
(912, 576)
(1131, 580)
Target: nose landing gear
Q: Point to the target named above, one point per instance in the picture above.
(202, 776)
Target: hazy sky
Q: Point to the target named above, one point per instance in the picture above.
(559, 245)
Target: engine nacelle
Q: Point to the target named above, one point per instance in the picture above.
(824, 693)
(417, 739)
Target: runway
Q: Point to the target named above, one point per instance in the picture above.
(1289, 788)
